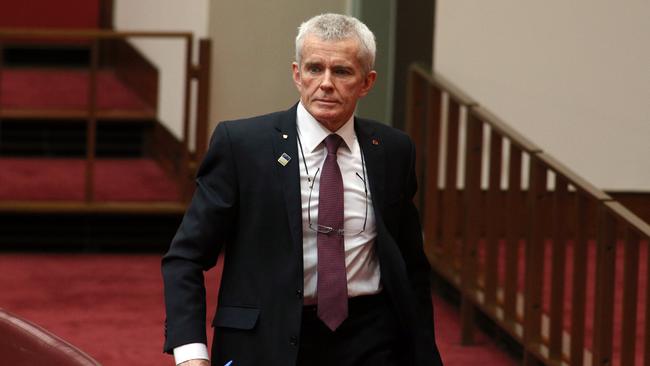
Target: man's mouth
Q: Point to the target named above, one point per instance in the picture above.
(326, 101)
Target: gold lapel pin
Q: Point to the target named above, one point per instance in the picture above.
(375, 141)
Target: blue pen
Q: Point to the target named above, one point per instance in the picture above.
(228, 363)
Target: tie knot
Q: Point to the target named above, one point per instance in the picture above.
(332, 142)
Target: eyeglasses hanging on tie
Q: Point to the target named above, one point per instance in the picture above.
(339, 231)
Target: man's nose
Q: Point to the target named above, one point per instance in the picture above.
(326, 82)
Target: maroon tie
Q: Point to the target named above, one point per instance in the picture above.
(332, 288)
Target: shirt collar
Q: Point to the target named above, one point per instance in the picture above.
(312, 132)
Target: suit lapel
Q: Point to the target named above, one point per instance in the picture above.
(373, 152)
(284, 142)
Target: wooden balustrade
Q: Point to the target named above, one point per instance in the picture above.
(199, 72)
(520, 230)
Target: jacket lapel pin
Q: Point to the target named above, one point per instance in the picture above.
(284, 159)
(375, 141)
(285, 136)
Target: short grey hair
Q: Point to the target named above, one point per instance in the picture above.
(338, 27)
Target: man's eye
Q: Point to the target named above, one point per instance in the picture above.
(313, 69)
(342, 72)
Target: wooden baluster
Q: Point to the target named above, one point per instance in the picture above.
(646, 343)
(630, 289)
(414, 125)
(450, 195)
(431, 212)
(493, 214)
(534, 265)
(558, 271)
(91, 124)
(513, 223)
(604, 298)
(185, 165)
(579, 280)
(2, 52)
(471, 225)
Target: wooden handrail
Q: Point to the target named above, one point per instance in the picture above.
(497, 123)
(632, 220)
(442, 83)
(86, 33)
(573, 178)
(480, 219)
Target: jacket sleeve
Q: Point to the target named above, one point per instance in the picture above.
(418, 269)
(204, 230)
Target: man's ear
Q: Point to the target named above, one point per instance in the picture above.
(368, 83)
(295, 71)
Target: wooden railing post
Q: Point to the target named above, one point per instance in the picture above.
(493, 220)
(431, 209)
(604, 297)
(534, 264)
(579, 284)
(513, 235)
(556, 313)
(203, 98)
(450, 195)
(185, 165)
(471, 225)
(630, 298)
(646, 343)
(2, 54)
(91, 125)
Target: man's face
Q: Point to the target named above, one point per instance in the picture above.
(330, 79)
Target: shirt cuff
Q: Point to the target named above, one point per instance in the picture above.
(191, 351)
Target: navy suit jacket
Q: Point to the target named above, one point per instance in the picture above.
(248, 204)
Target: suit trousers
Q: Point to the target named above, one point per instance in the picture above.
(368, 337)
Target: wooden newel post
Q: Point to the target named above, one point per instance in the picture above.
(203, 98)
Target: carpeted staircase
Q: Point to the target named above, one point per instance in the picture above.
(44, 97)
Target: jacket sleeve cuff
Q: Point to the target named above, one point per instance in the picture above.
(191, 351)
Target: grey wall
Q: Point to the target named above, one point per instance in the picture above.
(572, 76)
(253, 47)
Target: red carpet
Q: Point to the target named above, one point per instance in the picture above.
(64, 90)
(63, 179)
(50, 14)
(111, 306)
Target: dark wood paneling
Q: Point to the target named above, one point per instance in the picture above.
(134, 69)
(106, 10)
(413, 43)
(168, 150)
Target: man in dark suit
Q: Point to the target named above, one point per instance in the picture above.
(313, 208)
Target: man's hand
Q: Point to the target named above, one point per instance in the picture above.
(195, 363)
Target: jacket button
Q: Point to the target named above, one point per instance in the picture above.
(293, 340)
(299, 294)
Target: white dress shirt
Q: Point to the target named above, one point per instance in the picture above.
(362, 265)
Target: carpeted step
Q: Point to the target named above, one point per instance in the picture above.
(34, 179)
(48, 93)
